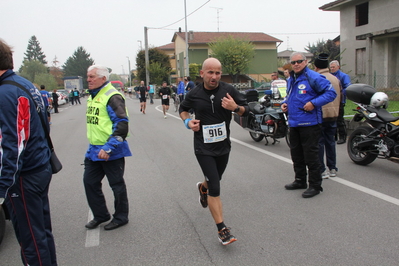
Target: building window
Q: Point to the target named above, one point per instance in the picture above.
(361, 61)
(362, 14)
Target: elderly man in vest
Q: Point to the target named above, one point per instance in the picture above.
(107, 129)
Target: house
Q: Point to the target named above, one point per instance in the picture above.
(262, 65)
(369, 37)
(284, 56)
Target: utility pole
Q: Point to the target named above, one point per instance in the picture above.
(130, 72)
(147, 58)
(185, 19)
(218, 9)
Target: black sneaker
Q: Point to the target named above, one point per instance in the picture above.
(225, 237)
(203, 198)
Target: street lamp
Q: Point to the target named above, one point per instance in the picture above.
(141, 46)
(130, 74)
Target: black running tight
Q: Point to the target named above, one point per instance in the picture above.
(213, 168)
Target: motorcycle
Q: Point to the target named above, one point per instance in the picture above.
(380, 137)
(265, 119)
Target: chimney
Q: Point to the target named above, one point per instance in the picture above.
(179, 29)
(191, 35)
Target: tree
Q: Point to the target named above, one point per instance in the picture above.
(30, 69)
(77, 64)
(194, 70)
(163, 67)
(34, 51)
(328, 47)
(158, 73)
(235, 54)
(46, 79)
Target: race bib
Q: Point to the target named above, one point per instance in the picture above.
(214, 133)
(164, 97)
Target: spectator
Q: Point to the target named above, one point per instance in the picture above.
(345, 82)
(47, 101)
(76, 96)
(307, 92)
(329, 124)
(180, 89)
(55, 101)
(25, 170)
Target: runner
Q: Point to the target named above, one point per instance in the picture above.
(213, 101)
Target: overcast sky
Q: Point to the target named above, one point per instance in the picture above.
(111, 31)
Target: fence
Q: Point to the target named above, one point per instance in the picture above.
(385, 83)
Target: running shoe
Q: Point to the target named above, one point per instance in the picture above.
(225, 237)
(203, 198)
(325, 174)
(333, 173)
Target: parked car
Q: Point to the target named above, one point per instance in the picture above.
(65, 94)
(264, 86)
(61, 98)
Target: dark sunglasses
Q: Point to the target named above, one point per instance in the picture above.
(297, 61)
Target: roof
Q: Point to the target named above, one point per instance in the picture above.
(335, 5)
(169, 46)
(287, 53)
(207, 37)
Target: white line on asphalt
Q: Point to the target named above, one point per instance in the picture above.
(336, 179)
(92, 235)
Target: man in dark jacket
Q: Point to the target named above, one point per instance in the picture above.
(25, 170)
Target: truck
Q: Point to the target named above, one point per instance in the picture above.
(72, 82)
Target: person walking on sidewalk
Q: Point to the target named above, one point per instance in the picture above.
(213, 101)
(107, 129)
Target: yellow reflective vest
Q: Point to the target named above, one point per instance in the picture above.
(99, 124)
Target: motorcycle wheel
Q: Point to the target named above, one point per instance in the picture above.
(360, 157)
(256, 137)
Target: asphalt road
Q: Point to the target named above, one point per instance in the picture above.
(353, 222)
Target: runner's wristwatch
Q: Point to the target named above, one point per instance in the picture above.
(237, 109)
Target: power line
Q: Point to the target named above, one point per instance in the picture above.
(184, 17)
(302, 33)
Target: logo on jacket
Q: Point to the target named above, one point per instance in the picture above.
(302, 88)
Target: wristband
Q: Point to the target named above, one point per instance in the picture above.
(186, 122)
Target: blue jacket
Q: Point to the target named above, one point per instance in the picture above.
(180, 88)
(345, 82)
(307, 86)
(24, 147)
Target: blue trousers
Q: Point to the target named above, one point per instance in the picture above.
(92, 178)
(327, 143)
(28, 204)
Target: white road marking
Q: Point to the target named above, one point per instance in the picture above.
(336, 179)
(92, 235)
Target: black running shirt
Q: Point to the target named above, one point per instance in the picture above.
(207, 105)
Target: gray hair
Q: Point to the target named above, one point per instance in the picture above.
(334, 62)
(298, 53)
(101, 71)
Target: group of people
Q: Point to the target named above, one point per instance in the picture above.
(213, 101)
(74, 97)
